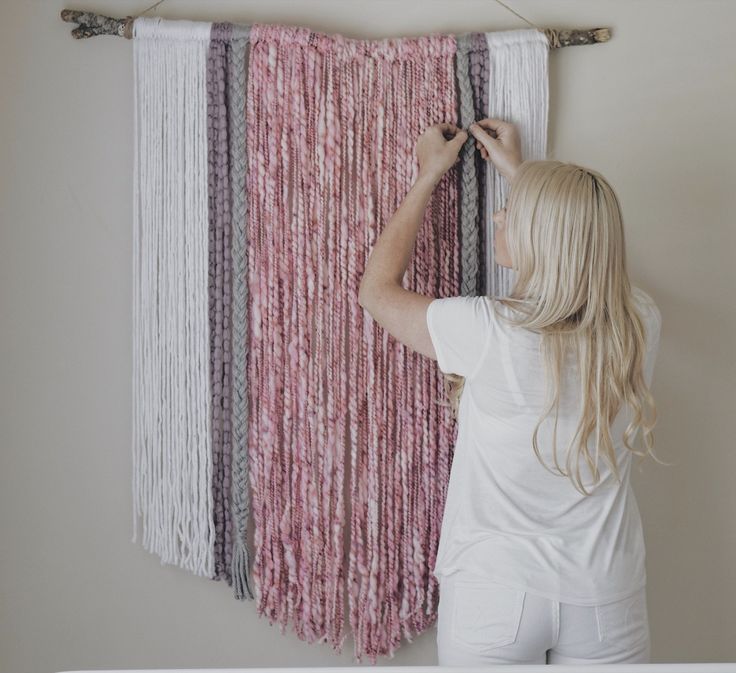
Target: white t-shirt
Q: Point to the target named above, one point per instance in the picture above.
(506, 517)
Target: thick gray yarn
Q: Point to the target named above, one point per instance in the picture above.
(469, 241)
(479, 69)
(220, 294)
(237, 70)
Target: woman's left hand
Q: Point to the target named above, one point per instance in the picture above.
(435, 153)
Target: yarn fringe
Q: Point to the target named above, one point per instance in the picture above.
(242, 580)
(518, 92)
(267, 160)
(171, 440)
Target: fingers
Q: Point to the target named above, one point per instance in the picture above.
(479, 131)
(482, 137)
(447, 128)
(455, 135)
(487, 124)
(460, 137)
(452, 134)
(493, 124)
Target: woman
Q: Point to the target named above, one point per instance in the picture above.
(536, 564)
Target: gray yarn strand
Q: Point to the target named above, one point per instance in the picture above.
(219, 306)
(469, 241)
(240, 569)
(478, 62)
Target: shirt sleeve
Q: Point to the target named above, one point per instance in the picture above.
(650, 313)
(460, 329)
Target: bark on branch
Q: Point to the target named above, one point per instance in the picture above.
(90, 24)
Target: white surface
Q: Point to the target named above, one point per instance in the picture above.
(503, 668)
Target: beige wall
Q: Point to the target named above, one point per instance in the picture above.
(653, 110)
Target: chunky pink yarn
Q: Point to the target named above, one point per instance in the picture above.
(331, 127)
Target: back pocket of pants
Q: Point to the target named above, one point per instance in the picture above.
(485, 615)
(625, 620)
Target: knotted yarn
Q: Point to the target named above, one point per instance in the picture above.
(220, 297)
(479, 64)
(237, 57)
(469, 210)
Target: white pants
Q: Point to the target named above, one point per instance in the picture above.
(481, 622)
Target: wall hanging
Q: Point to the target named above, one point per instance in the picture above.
(282, 441)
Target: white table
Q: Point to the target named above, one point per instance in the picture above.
(536, 668)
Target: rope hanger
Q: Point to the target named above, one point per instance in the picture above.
(90, 24)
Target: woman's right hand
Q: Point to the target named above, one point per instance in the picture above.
(498, 140)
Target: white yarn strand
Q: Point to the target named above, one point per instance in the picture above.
(518, 91)
(171, 447)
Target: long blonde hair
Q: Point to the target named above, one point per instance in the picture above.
(565, 236)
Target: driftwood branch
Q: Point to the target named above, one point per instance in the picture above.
(89, 25)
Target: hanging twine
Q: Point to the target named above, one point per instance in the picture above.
(552, 35)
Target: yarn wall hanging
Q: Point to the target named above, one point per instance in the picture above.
(282, 441)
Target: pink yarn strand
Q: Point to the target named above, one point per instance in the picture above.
(331, 126)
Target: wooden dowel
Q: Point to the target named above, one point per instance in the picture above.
(90, 24)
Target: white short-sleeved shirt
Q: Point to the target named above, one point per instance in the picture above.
(506, 517)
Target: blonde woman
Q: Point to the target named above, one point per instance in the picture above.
(541, 552)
